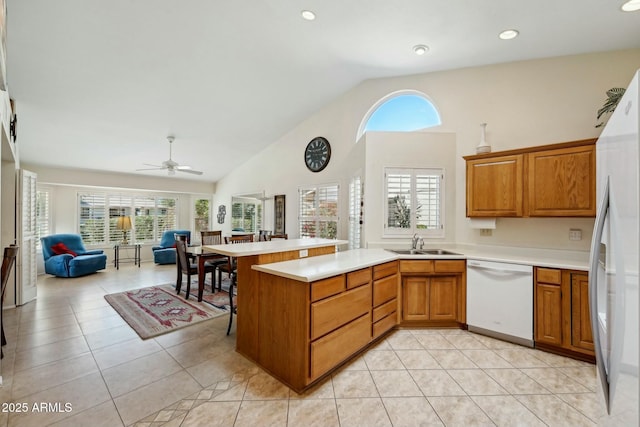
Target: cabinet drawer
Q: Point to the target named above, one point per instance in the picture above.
(384, 310)
(331, 313)
(358, 278)
(410, 266)
(329, 351)
(384, 290)
(548, 275)
(384, 325)
(327, 287)
(384, 270)
(450, 266)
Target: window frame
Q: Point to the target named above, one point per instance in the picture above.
(133, 204)
(414, 228)
(316, 218)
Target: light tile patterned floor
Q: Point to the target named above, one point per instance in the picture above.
(70, 347)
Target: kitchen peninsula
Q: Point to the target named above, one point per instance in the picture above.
(249, 286)
(316, 313)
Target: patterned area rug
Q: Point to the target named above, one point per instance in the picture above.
(218, 299)
(157, 310)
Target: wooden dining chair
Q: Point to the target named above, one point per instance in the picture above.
(279, 237)
(187, 267)
(10, 254)
(213, 237)
(231, 268)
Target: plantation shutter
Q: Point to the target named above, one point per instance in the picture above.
(92, 218)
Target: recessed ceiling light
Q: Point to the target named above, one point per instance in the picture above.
(420, 49)
(308, 15)
(631, 6)
(508, 34)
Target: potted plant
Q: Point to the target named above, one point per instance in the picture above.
(614, 95)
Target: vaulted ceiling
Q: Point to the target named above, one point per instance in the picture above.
(101, 84)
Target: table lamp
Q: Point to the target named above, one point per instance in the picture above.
(124, 224)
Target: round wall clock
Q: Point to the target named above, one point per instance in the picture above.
(317, 154)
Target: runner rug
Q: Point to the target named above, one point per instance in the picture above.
(157, 310)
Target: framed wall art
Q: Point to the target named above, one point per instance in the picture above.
(279, 206)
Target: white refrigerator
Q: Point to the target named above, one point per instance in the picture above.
(615, 260)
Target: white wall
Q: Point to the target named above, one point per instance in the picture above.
(411, 150)
(525, 103)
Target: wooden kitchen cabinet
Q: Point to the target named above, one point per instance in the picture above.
(495, 186)
(561, 182)
(562, 322)
(556, 180)
(432, 291)
(307, 329)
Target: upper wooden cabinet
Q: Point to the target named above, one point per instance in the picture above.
(562, 182)
(494, 186)
(552, 180)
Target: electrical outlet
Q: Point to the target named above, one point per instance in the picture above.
(303, 253)
(575, 234)
(486, 232)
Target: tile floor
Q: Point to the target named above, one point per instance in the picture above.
(71, 352)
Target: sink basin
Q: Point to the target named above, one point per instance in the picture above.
(438, 252)
(423, 252)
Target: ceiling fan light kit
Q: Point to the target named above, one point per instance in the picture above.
(170, 165)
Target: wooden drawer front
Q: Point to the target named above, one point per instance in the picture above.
(331, 313)
(327, 287)
(384, 325)
(384, 290)
(384, 310)
(450, 266)
(384, 270)
(358, 278)
(329, 351)
(548, 275)
(422, 266)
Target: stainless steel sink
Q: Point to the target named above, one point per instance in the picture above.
(423, 252)
(438, 252)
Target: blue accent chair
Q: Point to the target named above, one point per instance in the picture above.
(66, 264)
(165, 252)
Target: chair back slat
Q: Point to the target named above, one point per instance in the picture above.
(211, 237)
(279, 237)
(238, 239)
(181, 250)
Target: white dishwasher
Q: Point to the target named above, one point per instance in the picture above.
(500, 300)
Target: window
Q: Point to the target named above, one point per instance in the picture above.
(43, 214)
(202, 213)
(415, 202)
(318, 211)
(356, 207)
(404, 111)
(246, 216)
(99, 212)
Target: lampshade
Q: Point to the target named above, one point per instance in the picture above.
(124, 223)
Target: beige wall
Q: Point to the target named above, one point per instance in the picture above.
(524, 103)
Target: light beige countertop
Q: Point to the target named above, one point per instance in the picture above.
(273, 246)
(323, 266)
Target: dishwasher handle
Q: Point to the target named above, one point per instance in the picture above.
(496, 270)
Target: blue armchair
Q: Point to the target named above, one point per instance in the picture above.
(65, 256)
(165, 252)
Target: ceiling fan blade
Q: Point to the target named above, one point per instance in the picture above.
(154, 166)
(159, 168)
(188, 169)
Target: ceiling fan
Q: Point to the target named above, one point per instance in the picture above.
(170, 165)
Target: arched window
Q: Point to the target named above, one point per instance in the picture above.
(404, 111)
